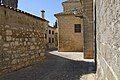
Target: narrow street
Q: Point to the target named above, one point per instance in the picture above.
(57, 66)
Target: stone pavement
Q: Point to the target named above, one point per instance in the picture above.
(57, 66)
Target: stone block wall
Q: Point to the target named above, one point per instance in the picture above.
(108, 39)
(69, 40)
(21, 39)
(51, 37)
(88, 29)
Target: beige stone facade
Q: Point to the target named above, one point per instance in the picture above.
(108, 39)
(51, 38)
(22, 39)
(70, 36)
(88, 30)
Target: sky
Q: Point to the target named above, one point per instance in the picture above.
(35, 6)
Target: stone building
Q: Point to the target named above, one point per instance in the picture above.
(76, 31)
(22, 39)
(108, 39)
(11, 3)
(51, 37)
(88, 30)
(70, 36)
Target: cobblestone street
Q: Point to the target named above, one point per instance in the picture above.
(57, 66)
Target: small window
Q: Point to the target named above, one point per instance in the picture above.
(77, 28)
(49, 31)
(52, 32)
(49, 40)
(45, 36)
(52, 40)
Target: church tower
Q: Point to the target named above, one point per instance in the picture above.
(70, 5)
(11, 3)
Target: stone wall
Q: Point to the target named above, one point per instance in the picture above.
(108, 39)
(21, 39)
(68, 39)
(71, 5)
(88, 29)
(51, 37)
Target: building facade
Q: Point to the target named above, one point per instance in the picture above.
(51, 37)
(108, 39)
(70, 36)
(22, 39)
(50, 34)
(88, 30)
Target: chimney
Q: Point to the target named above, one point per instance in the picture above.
(43, 14)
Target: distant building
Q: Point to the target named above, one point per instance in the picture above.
(11, 3)
(51, 37)
(70, 36)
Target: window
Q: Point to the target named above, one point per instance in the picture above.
(45, 36)
(52, 40)
(49, 40)
(52, 32)
(77, 28)
(49, 31)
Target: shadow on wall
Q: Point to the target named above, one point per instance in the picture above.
(54, 68)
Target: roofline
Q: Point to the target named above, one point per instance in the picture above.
(62, 14)
(51, 27)
(69, 2)
(20, 11)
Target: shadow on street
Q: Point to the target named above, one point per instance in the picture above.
(53, 68)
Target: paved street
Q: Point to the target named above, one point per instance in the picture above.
(57, 66)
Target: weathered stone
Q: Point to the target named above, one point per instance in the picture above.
(6, 45)
(16, 43)
(9, 51)
(6, 59)
(26, 39)
(108, 39)
(0, 37)
(37, 47)
(33, 39)
(32, 47)
(12, 44)
(7, 26)
(25, 43)
(8, 38)
(14, 61)
(41, 54)
(8, 32)
(5, 49)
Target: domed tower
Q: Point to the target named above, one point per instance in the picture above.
(70, 28)
(11, 3)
